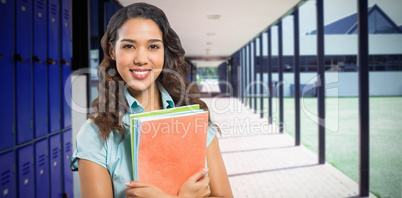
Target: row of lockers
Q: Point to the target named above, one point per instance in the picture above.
(35, 128)
(35, 56)
(37, 170)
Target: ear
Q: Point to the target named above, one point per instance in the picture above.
(111, 50)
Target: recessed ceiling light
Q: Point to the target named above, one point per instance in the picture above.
(214, 16)
(210, 34)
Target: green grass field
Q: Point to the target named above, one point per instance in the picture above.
(342, 137)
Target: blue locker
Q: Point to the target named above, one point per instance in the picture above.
(25, 171)
(55, 166)
(41, 169)
(23, 48)
(7, 180)
(65, 61)
(7, 113)
(53, 66)
(40, 68)
(67, 153)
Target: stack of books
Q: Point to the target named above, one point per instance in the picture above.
(168, 146)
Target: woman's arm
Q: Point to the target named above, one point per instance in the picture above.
(219, 181)
(94, 180)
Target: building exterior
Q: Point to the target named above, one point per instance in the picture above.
(385, 58)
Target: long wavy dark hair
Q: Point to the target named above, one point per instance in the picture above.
(111, 105)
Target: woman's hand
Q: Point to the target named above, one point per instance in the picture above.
(142, 190)
(196, 186)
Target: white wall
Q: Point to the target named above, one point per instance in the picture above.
(79, 98)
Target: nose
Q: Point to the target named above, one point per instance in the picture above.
(141, 57)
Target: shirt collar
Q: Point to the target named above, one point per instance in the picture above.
(136, 106)
(167, 100)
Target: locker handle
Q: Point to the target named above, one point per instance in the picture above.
(36, 59)
(1, 56)
(64, 62)
(51, 61)
(19, 58)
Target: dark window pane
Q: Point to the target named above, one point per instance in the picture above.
(350, 60)
(371, 59)
(288, 63)
(380, 68)
(328, 60)
(350, 63)
(311, 68)
(311, 60)
(380, 59)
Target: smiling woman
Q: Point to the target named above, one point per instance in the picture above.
(139, 55)
(143, 70)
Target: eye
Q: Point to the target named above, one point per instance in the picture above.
(154, 47)
(128, 46)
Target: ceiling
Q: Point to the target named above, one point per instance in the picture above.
(212, 30)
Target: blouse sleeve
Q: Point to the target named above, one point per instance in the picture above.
(89, 146)
(211, 133)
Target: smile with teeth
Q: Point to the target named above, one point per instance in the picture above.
(140, 74)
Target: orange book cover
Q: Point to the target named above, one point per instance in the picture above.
(171, 149)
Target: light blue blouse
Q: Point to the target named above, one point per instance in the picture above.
(115, 154)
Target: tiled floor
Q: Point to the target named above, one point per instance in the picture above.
(263, 163)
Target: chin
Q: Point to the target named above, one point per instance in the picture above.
(141, 86)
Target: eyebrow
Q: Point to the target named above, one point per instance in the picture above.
(133, 41)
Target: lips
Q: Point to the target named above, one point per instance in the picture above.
(140, 73)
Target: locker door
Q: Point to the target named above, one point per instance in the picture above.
(23, 49)
(7, 180)
(55, 166)
(67, 153)
(25, 172)
(40, 69)
(66, 60)
(41, 169)
(7, 79)
(53, 65)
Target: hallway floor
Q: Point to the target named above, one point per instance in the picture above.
(264, 163)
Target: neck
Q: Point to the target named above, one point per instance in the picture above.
(150, 98)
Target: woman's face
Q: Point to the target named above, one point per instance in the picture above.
(139, 53)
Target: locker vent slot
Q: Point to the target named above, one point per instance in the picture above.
(53, 9)
(66, 14)
(26, 168)
(5, 177)
(55, 153)
(40, 5)
(68, 147)
(42, 160)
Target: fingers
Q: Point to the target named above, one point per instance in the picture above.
(133, 192)
(204, 180)
(136, 184)
(200, 174)
(207, 192)
(134, 188)
(205, 186)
